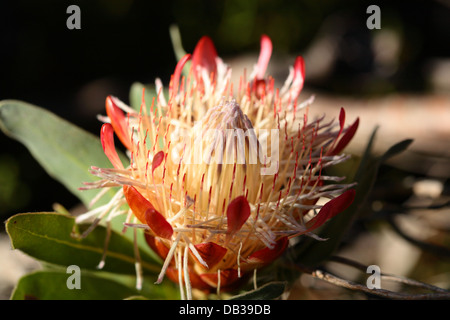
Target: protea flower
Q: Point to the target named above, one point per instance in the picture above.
(222, 175)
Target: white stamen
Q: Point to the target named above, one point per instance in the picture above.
(123, 106)
(136, 225)
(103, 118)
(239, 260)
(255, 286)
(207, 83)
(287, 82)
(307, 102)
(180, 276)
(160, 93)
(168, 259)
(195, 252)
(186, 274)
(137, 264)
(218, 282)
(98, 196)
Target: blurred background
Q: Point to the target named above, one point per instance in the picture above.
(397, 77)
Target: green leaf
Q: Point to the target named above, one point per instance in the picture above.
(47, 236)
(269, 291)
(149, 291)
(52, 285)
(64, 150)
(396, 149)
(175, 37)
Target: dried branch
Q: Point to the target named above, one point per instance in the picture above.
(328, 277)
(382, 293)
(389, 277)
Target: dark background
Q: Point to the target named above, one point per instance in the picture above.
(70, 72)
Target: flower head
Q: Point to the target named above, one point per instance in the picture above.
(222, 175)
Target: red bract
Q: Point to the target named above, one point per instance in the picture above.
(264, 57)
(157, 159)
(346, 138)
(267, 255)
(107, 140)
(118, 121)
(194, 279)
(177, 75)
(331, 209)
(204, 58)
(157, 245)
(145, 212)
(238, 212)
(299, 77)
(224, 277)
(211, 253)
